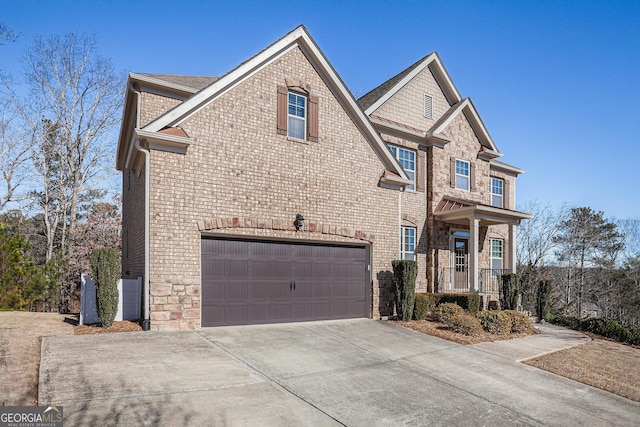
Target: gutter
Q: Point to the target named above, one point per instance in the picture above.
(146, 321)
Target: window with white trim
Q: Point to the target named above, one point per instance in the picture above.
(408, 243)
(407, 159)
(496, 254)
(462, 174)
(297, 115)
(497, 192)
(428, 106)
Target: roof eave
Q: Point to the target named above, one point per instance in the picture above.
(494, 164)
(162, 84)
(296, 38)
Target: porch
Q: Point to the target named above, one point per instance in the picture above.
(467, 271)
(456, 280)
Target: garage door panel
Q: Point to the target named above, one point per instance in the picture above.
(253, 282)
(280, 290)
(321, 290)
(322, 270)
(269, 269)
(280, 312)
(236, 291)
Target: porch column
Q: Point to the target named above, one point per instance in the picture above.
(474, 225)
(512, 247)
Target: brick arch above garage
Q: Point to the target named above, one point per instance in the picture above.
(309, 227)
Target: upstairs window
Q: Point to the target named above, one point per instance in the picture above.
(428, 106)
(296, 115)
(408, 243)
(462, 174)
(407, 159)
(497, 192)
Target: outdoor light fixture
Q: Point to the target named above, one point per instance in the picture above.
(298, 222)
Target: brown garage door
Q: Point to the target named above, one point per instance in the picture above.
(246, 281)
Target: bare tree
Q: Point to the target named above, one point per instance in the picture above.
(536, 247)
(630, 230)
(7, 34)
(14, 152)
(537, 236)
(75, 91)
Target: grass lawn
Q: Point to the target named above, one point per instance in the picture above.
(608, 365)
(600, 363)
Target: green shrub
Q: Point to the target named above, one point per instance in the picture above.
(465, 324)
(607, 328)
(509, 291)
(504, 322)
(469, 302)
(446, 311)
(634, 335)
(495, 322)
(423, 305)
(105, 266)
(404, 278)
(543, 302)
(520, 322)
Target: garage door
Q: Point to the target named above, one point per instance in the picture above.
(246, 282)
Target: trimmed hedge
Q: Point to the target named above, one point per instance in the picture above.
(423, 305)
(105, 266)
(426, 302)
(444, 312)
(504, 322)
(404, 279)
(465, 324)
(608, 328)
(509, 291)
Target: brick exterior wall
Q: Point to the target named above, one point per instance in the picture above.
(240, 177)
(407, 105)
(132, 224)
(239, 167)
(433, 249)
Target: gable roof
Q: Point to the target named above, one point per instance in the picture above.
(298, 38)
(194, 83)
(467, 108)
(371, 101)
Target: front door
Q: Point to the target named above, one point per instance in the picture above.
(461, 265)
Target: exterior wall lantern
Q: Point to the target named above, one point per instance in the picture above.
(298, 222)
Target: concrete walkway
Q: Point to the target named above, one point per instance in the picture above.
(551, 338)
(356, 373)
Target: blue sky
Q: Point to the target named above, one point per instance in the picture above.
(557, 83)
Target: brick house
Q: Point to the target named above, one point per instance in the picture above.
(270, 194)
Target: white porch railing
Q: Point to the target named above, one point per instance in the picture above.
(456, 279)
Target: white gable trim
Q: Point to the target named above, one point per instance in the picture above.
(442, 78)
(470, 112)
(153, 82)
(297, 38)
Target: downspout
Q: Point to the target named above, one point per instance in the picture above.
(146, 321)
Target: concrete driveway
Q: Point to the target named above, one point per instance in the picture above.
(356, 373)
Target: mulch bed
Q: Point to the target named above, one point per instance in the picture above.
(440, 330)
(123, 326)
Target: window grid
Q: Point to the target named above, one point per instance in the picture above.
(407, 159)
(496, 254)
(497, 192)
(407, 243)
(297, 115)
(462, 174)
